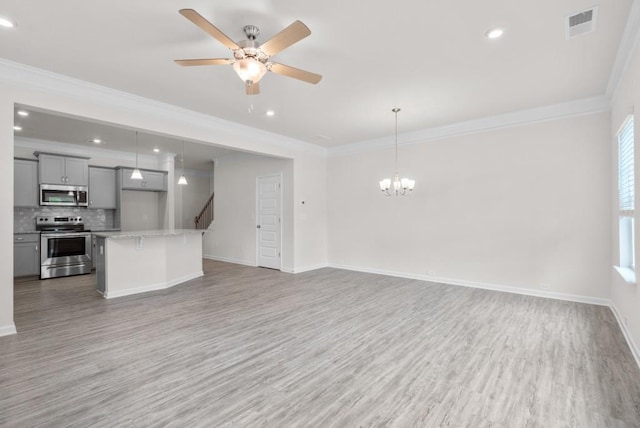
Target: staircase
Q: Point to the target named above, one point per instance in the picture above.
(204, 219)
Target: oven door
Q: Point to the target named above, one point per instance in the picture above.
(63, 249)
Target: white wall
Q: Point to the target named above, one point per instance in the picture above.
(6, 213)
(41, 89)
(625, 296)
(190, 199)
(522, 207)
(139, 210)
(232, 236)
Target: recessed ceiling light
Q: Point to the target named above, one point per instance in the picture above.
(23, 113)
(17, 128)
(6, 22)
(494, 33)
(96, 141)
(271, 113)
(156, 150)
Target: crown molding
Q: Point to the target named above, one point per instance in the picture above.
(24, 76)
(628, 43)
(518, 118)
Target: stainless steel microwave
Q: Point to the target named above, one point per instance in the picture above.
(65, 196)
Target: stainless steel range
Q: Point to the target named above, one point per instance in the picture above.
(65, 246)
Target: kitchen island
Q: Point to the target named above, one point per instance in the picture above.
(140, 261)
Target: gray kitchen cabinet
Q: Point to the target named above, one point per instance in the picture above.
(154, 181)
(94, 254)
(25, 183)
(102, 188)
(55, 169)
(26, 254)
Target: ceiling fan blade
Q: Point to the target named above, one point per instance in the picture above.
(296, 73)
(210, 61)
(285, 38)
(208, 27)
(252, 88)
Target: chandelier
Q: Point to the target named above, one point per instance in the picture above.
(400, 185)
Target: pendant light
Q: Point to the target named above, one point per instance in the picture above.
(400, 186)
(182, 180)
(136, 174)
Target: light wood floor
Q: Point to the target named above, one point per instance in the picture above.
(254, 347)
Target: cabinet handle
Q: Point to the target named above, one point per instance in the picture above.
(19, 239)
(36, 248)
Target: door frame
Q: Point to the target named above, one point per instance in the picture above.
(257, 216)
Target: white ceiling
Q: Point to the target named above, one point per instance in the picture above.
(428, 57)
(47, 126)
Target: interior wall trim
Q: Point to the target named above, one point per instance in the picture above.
(482, 285)
(153, 287)
(223, 132)
(564, 110)
(627, 334)
(7, 330)
(306, 268)
(628, 43)
(230, 260)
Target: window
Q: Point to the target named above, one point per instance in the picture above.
(626, 194)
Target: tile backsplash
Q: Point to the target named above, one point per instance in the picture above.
(24, 219)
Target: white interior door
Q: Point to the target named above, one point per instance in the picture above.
(269, 214)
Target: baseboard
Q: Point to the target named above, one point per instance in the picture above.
(153, 287)
(184, 279)
(635, 351)
(7, 330)
(228, 260)
(131, 291)
(305, 268)
(485, 286)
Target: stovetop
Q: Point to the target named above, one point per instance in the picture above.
(60, 224)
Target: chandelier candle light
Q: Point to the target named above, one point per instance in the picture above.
(400, 186)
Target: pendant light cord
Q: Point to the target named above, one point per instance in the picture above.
(136, 149)
(396, 110)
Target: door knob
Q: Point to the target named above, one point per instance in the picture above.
(258, 227)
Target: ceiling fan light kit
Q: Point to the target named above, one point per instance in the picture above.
(250, 70)
(251, 60)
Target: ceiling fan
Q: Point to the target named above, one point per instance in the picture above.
(251, 60)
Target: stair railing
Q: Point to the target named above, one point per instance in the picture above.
(204, 219)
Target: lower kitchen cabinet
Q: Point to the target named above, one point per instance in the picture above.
(26, 254)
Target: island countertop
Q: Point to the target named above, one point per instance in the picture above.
(148, 233)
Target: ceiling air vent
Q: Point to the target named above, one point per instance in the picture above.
(581, 23)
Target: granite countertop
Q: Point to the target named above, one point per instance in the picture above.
(104, 230)
(26, 232)
(148, 233)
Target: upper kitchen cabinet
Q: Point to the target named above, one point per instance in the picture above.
(70, 170)
(25, 183)
(155, 181)
(102, 188)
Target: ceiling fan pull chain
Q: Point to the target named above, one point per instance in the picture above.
(251, 98)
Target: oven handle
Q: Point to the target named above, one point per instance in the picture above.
(66, 235)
